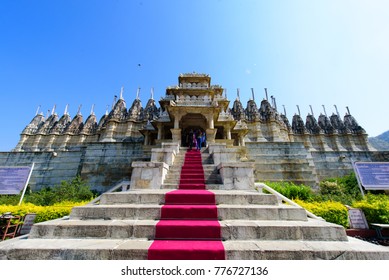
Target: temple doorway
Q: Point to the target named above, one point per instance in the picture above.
(192, 123)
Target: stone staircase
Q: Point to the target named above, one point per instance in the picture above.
(212, 177)
(254, 225)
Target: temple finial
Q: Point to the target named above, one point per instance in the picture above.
(252, 93)
(53, 111)
(336, 109)
(238, 94)
(273, 99)
(121, 93)
(267, 98)
(348, 110)
(66, 109)
(298, 109)
(152, 93)
(225, 93)
(310, 106)
(325, 112)
(37, 110)
(284, 110)
(137, 93)
(92, 111)
(79, 110)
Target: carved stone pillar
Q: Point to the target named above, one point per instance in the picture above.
(159, 136)
(211, 135)
(177, 119)
(211, 124)
(176, 135)
(146, 142)
(228, 128)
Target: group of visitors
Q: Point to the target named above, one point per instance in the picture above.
(196, 139)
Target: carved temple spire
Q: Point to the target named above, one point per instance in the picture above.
(35, 124)
(237, 110)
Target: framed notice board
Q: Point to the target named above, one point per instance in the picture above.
(372, 175)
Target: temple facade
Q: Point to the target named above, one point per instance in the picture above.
(101, 150)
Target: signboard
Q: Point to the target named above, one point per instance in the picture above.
(357, 219)
(13, 179)
(373, 175)
(27, 224)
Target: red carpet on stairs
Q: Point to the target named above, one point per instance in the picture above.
(189, 227)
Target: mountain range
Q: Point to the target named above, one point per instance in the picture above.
(380, 142)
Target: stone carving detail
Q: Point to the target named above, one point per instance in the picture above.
(312, 126)
(266, 111)
(188, 100)
(252, 111)
(60, 126)
(237, 110)
(151, 111)
(352, 125)
(136, 111)
(76, 125)
(338, 124)
(36, 123)
(225, 115)
(49, 123)
(90, 126)
(119, 111)
(325, 124)
(286, 121)
(103, 121)
(298, 126)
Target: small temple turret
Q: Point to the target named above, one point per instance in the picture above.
(237, 110)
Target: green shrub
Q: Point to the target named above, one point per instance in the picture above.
(9, 199)
(375, 208)
(344, 189)
(331, 211)
(291, 190)
(75, 190)
(330, 188)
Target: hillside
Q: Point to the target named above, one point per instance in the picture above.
(380, 142)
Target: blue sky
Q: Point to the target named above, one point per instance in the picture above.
(82, 52)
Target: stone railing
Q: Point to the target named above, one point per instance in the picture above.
(194, 100)
(194, 85)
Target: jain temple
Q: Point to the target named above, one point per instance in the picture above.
(105, 150)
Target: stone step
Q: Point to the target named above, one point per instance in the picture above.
(267, 175)
(158, 197)
(127, 249)
(209, 186)
(230, 230)
(206, 168)
(210, 180)
(278, 157)
(281, 166)
(153, 212)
